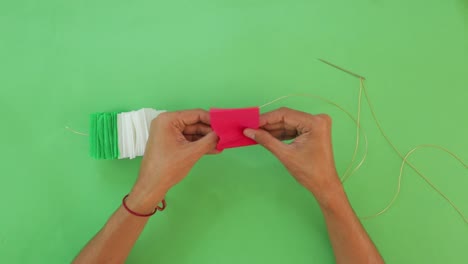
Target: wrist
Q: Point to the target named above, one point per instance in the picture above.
(328, 192)
(334, 201)
(144, 202)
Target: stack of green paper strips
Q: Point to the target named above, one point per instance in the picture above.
(103, 138)
(120, 135)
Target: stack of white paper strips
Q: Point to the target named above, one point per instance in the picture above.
(133, 131)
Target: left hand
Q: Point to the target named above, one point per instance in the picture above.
(177, 140)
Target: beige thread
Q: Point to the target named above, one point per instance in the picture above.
(76, 132)
(404, 158)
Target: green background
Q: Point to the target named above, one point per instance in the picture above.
(62, 60)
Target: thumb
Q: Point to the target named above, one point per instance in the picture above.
(207, 144)
(265, 139)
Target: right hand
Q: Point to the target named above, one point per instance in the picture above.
(309, 158)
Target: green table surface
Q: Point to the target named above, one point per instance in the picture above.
(62, 60)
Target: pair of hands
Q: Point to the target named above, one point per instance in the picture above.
(178, 140)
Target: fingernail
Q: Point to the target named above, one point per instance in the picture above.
(249, 133)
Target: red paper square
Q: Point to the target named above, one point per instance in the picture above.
(229, 125)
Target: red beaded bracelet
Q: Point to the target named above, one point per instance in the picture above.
(158, 208)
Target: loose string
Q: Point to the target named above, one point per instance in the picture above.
(76, 132)
(404, 158)
(405, 161)
(356, 147)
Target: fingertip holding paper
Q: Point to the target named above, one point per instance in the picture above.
(229, 125)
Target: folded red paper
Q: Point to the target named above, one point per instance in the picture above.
(229, 125)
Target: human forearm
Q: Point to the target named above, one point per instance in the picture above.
(309, 158)
(349, 239)
(176, 141)
(115, 240)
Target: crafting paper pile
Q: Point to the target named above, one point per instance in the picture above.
(120, 135)
(124, 135)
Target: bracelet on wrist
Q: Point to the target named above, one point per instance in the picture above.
(158, 208)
